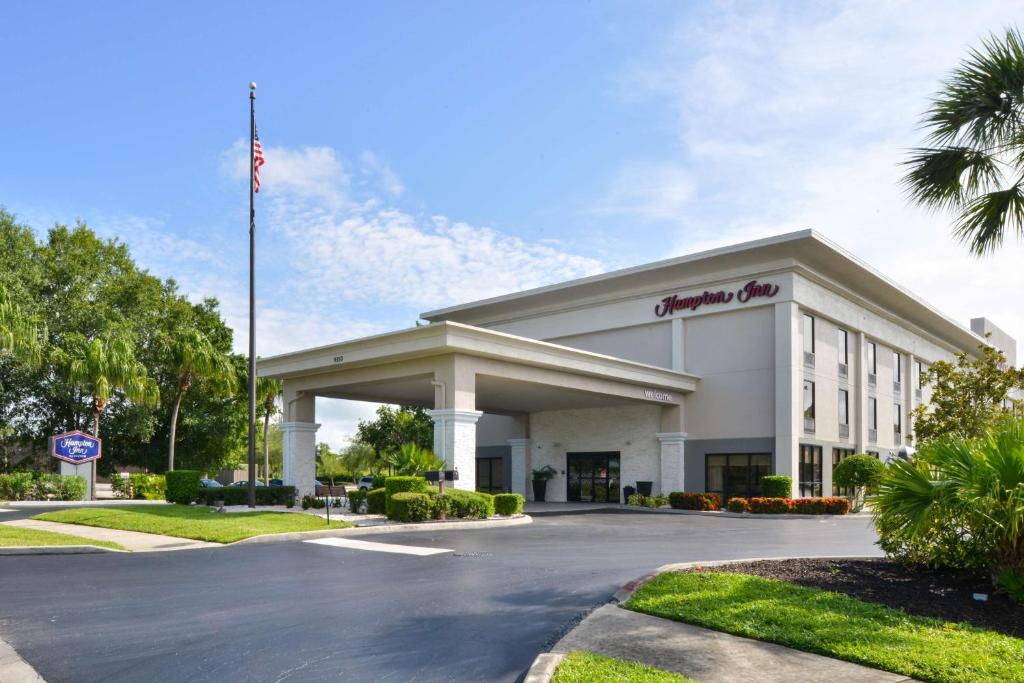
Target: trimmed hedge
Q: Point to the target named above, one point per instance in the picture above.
(687, 500)
(376, 501)
(393, 485)
(647, 501)
(799, 506)
(736, 505)
(355, 501)
(16, 486)
(776, 486)
(508, 504)
(409, 506)
(148, 486)
(182, 486)
(239, 495)
(460, 503)
(41, 486)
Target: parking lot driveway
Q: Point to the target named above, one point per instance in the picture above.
(301, 611)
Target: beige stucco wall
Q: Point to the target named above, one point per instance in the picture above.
(650, 343)
(630, 430)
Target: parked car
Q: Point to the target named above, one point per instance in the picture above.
(210, 484)
(365, 483)
(277, 482)
(246, 483)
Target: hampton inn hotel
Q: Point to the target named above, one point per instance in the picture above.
(698, 373)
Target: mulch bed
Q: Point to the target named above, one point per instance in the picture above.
(941, 593)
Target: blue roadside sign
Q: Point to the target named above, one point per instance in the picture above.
(76, 447)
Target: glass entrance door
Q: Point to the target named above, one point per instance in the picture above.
(593, 477)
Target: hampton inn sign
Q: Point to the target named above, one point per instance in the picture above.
(751, 290)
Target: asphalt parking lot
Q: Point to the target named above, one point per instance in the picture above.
(300, 611)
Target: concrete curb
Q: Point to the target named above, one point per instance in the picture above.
(386, 529)
(79, 503)
(14, 669)
(543, 667)
(12, 550)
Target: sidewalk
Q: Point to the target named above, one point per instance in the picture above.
(708, 656)
(132, 540)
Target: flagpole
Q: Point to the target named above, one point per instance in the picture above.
(252, 296)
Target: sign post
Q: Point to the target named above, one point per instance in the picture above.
(75, 450)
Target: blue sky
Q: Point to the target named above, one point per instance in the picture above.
(422, 154)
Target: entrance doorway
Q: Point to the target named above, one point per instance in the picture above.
(593, 477)
(736, 474)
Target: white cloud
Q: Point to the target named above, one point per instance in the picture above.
(381, 172)
(651, 191)
(314, 173)
(799, 116)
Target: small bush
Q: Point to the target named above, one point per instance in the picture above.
(408, 506)
(313, 502)
(769, 506)
(736, 505)
(809, 506)
(837, 506)
(690, 500)
(466, 504)
(148, 486)
(378, 481)
(46, 486)
(239, 495)
(776, 486)
(508, 504)
(182, 486)
(71, 487)
(356, 500)
(647, 501)
(120, 485)
(376, 501)
(16, 486)
(402, 484)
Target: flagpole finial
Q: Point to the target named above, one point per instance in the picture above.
(252, 87)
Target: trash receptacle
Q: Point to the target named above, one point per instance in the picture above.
(644, 487)
(627, 491)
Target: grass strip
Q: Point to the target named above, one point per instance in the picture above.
(588, 667)
(20, 536)
(833, 624)
(201, 523)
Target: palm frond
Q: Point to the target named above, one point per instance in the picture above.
(943, 177)
(985, 219)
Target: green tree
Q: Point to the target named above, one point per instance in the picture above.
(267, 392)
(973, 164)
(960, 503)
(859, 472)
(104, 365)
(411, 459)
(193, 357)
(968, 396)
(394, 427)
(19, 335)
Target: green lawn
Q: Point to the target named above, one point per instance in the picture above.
(587, 667)
(198, 522)
(833, 624)
(17, 536)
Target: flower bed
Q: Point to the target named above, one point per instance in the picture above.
(797, 506)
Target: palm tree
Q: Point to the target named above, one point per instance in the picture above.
(267, 391)
(961, 499)
(192, 358)
(19, 336)
(410, 459)
(104, 365)
(973, 164)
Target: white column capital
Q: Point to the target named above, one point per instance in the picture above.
(671, 437)
(298, 426)
(455, 415)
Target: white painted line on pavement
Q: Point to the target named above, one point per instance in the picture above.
(354, 544)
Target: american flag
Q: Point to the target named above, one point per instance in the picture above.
(257, 161)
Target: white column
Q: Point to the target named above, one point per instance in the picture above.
(455, 433)
(299, 456)
(909, 400)
(672, 452)
(788, 390)
(520, 448)
(860, 400)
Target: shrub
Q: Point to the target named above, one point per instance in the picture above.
(402, 484)
(71, 487)
(769, 506)
(356, 499)
(508, 504)
(120, 485)
(408, 506)
(837, 506)
(182, 486)
(376, 501)
(647, 501)
(16, 486)
(467, 504)
(46, 486)
(148, 486)
(691, 500)
(378, 481)
(809, 506)
(776, 486)
(313, 502)
(238, 495)
(736, 505)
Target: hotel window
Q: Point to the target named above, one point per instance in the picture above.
(897, 371)
(838, 455)
(844, 413)
(808, 406)
(917, 370)
(843, 352)
(872, 364)
(808, 340)
(490, 475)
(897, 421)
(736, 474)
(810, 471)
(872, 418)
